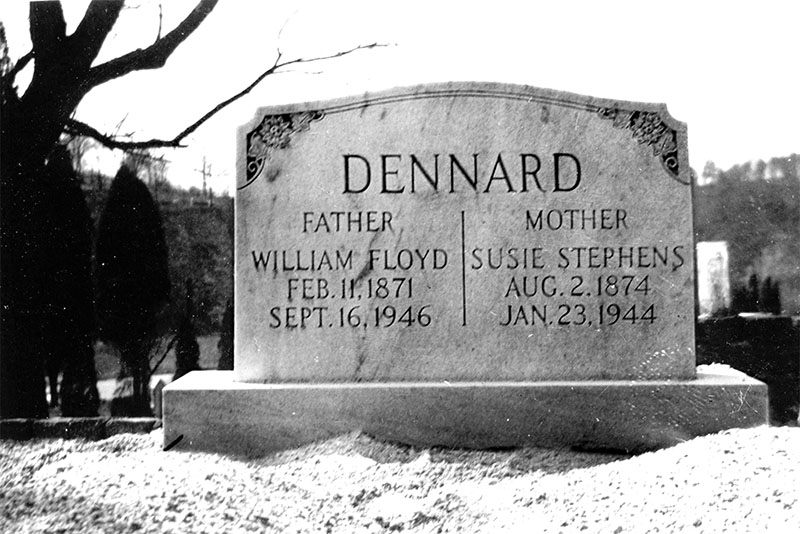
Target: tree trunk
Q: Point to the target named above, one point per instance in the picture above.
(45, 272)
(22, 392)
(29, 249)
(135, 365)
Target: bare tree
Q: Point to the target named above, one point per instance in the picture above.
(148, 166)
(30, 127)
(78, 146)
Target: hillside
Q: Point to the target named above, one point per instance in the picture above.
(755, 207)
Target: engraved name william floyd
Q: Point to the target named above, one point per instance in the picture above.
(437, 233)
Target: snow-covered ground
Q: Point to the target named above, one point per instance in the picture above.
(736, 481)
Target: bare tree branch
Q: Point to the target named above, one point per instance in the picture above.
(283, 27)
(258, 80)
(278, 65)
(155, 55)
(48, 28)
(160, 20)
(9, 77)
(76, 127)
(97, 22)
(79, 128)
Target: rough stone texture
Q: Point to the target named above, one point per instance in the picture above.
(207, 410)
(299, 164)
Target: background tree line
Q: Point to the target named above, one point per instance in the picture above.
(755, 207)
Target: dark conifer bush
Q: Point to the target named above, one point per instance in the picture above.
(187, 350)
(225, 344)
(67, 273)
(132, 279)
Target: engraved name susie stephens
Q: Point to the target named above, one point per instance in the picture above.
(569, 286)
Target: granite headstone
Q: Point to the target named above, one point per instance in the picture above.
(488, 239)
(713, 277)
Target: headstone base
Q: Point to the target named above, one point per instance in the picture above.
(208, 411)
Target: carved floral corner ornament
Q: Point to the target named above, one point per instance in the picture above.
(273, 133)
(647, 128)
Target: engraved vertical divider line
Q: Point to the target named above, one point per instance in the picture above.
(463, 273)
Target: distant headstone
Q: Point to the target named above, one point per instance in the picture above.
(158, 393)
(463, 264)
(713, 278)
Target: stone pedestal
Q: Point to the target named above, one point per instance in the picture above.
(207, 410)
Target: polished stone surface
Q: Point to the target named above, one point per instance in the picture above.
(208, 410)
(464, 232)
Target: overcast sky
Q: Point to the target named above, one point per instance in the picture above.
(729, 69)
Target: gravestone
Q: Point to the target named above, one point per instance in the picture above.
(464, 264)
(713, 277)
(158, 393)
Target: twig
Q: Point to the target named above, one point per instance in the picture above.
(166, 351)
(21, 64)
(160, 20)
(80, 128)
